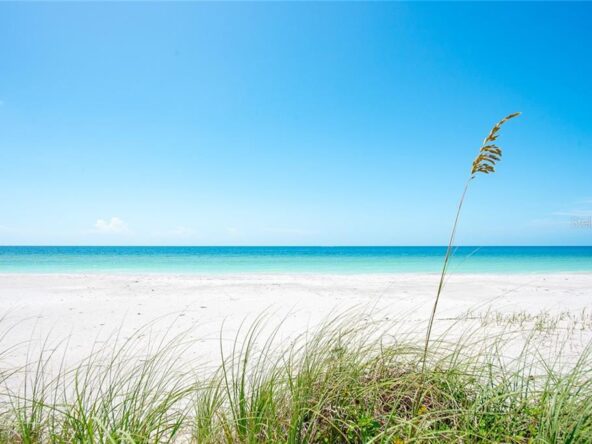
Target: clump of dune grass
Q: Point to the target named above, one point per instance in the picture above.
(347, 382)
(485, 162)
(117, 394)
(543, 321)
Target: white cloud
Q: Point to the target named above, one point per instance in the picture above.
(115, 225)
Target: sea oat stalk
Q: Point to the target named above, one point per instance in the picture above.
(489, 155)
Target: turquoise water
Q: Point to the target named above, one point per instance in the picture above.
(292, 259)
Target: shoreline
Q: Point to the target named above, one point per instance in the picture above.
(271, 274)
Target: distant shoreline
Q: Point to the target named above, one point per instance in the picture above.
(283, 274)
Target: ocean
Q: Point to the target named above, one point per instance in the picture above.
(346, 260)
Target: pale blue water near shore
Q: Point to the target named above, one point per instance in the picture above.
(204, 260)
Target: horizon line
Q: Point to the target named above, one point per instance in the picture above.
(294, 246)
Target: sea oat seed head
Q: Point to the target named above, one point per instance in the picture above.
(490, 154)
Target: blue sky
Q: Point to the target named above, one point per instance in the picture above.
(292, 124)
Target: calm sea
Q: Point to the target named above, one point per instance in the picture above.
(292, 259)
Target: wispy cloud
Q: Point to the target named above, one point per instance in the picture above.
(113, 226)
(549, 222)
(565, 217)
(581, 208)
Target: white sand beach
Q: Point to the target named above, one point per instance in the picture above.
(86, 309)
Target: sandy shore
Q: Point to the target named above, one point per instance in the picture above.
(87, 308)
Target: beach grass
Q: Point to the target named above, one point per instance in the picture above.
(351, 381)
(485, 162)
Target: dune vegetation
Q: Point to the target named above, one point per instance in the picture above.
(340, 384)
